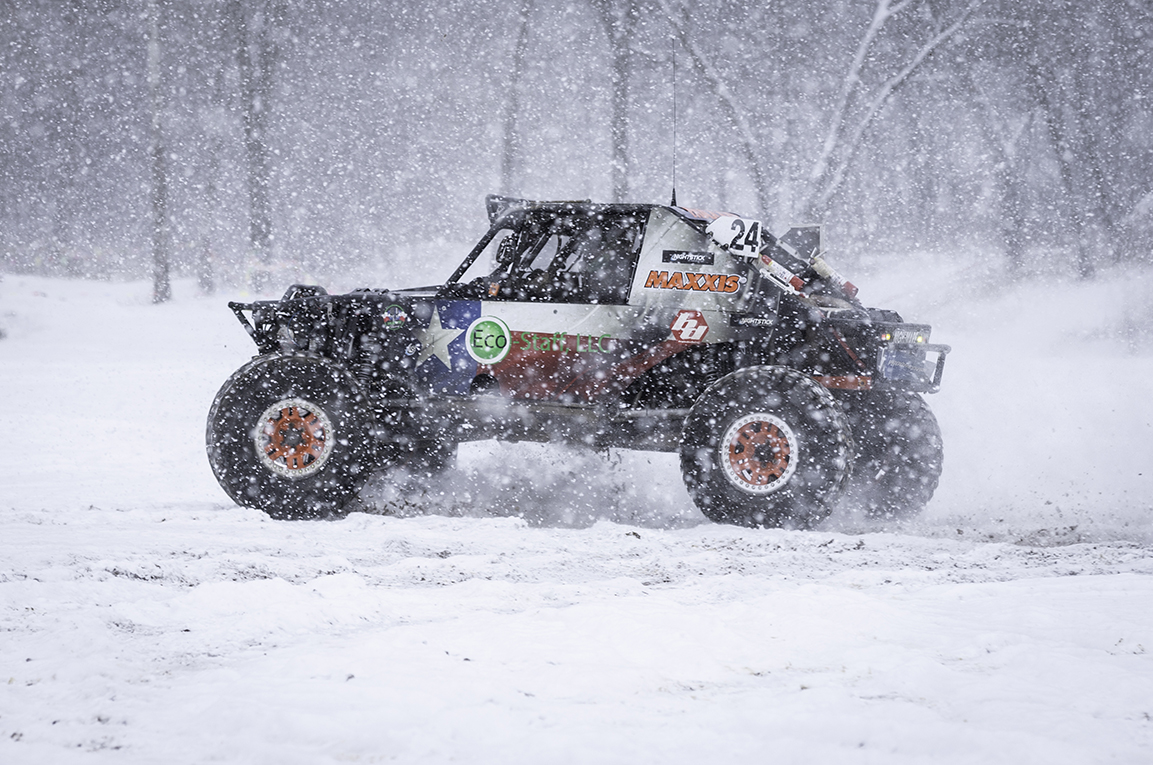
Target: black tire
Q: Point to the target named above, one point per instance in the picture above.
(434, 457)
(900, 453)
(291, 435)
(424, 458)
(801, 449)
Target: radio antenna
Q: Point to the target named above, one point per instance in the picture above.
(674, 50)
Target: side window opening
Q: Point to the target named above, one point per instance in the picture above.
(573, 259)
(760, 297)
(605, 257)
(499, 254)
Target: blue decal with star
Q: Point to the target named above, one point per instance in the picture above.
(443, 365)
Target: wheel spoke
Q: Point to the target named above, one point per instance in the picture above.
(759, 452)
(295, 438)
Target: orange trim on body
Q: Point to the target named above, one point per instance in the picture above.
(845, 382)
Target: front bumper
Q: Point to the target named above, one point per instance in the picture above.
(907, 366)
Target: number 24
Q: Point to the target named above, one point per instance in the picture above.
(746, 236)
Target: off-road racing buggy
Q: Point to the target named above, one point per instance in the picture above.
(636, 326)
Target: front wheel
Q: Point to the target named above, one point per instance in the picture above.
(766, 446)
(899, 453)
(290, 435)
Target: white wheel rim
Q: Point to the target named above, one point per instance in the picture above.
(758, 453)
(294, 438)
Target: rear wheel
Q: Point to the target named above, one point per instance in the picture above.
(765, 446)
(290, 435)
(900, 453)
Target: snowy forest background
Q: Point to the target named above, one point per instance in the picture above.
(323, 136)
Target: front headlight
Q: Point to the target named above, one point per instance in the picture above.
(906, 335)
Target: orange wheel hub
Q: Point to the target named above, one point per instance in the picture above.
(758, 453)
(294, 438)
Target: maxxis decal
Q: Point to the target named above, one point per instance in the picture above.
(688, 280)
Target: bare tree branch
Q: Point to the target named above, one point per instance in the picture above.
(836, 177)
(727, 98)
(851, 81)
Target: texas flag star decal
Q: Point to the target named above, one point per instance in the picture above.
(443, 362)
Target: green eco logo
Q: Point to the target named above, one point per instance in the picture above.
(488, 340)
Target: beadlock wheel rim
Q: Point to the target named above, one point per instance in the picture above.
(759, 453)
(294, 438)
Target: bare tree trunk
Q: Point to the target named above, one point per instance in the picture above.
(213, 119)
(1007, 171)
(1058, 137)
(619, 17)
(1090, 138)
(511, 147)
(256, 57)
(210, 238)
(161, 286)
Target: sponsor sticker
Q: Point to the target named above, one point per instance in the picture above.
(394, 317)
(488, 340)
(689, 326)
(692, 258)
(688, 280)
(753, 321)
(560, 342)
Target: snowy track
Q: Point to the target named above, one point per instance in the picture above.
(195, 634)
(564, 608)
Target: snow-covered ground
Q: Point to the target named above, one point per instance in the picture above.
(546, 605)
